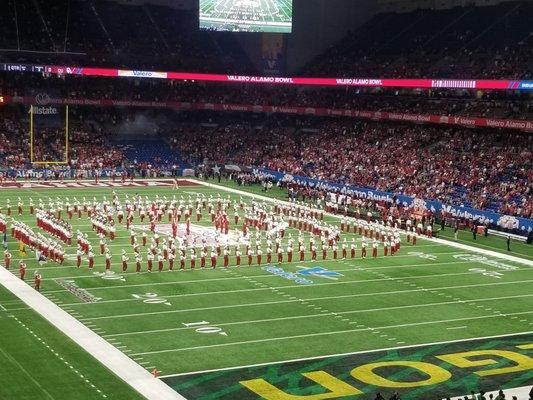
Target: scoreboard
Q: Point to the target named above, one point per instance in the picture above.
(246, 15)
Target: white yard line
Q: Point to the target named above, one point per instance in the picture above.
(120, 364)
(275, 339)
(29, 375)
(219, 308)
(342, 355)
(274, 288)
(288, 286)
(354, 268)
(328, 314)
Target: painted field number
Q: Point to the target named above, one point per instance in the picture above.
(484, 272)
(110, 276)
(151, 298)
(205, 327)
(422, 255)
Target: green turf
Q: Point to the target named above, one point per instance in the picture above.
(39, 362)
(408, 299)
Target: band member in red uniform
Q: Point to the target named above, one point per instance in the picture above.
(226, 258)
(269, 255)
(344, 251)
(259, 256)
(150, 261)
(238, 257)
(171, 258)
(374, 249)
(280, 255)
(182, 261)
(313, 252)
(138, 260)
(107, 261)
(213, 259)
(289, 254)
(203, 256)
(302, 253)
(102, 245)
(37, 281)
(124, 261)
(79, 253)
(22, 270)
(90, 255)
(193, 259)
(7, 259)
(250, 255)
(160, 260)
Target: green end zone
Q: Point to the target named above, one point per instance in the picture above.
(434, 371)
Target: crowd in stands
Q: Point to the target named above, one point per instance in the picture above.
(460, 43)
(88, 148)
(484, 169)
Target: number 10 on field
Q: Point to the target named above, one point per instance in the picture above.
(205, 327)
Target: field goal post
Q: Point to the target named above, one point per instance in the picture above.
(34, 134)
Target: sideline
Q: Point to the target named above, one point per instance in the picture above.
(121, 365)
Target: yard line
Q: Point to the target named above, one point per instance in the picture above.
(189, 271)
(54, 268)
(324, 334)
(245, 305)
(457, 327)
(29, 375)
(344, 354)
(288, 286)
(3, 308)
(275, 288)
(322, 315)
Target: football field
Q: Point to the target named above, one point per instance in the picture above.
(285, 331)
(246, 15)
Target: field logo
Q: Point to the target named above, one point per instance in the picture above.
(271, 269)
(320, 272)
(485, 261)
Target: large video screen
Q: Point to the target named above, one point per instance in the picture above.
(246, 15)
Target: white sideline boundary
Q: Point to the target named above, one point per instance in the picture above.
(435, 240)
(121, 365)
